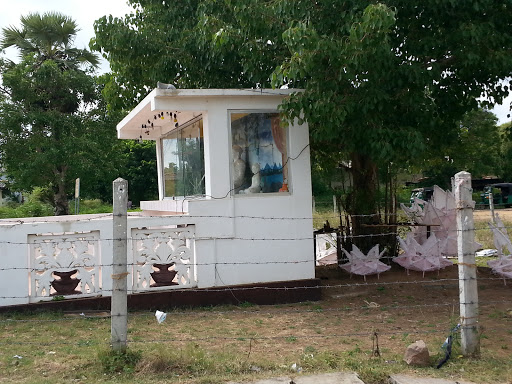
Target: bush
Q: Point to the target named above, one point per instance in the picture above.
(34, 206)
(119, 361)
(93, 206)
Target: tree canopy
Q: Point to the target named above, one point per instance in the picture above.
(52, 124)
(47, 37)
(159, 42)
(477, 148)
(383, 82)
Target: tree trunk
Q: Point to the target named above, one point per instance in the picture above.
(362, 202)
(61, 205)
(362, 223)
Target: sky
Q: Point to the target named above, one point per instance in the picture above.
(85, 12)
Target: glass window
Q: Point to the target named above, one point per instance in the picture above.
(183, 161)
(259, 150)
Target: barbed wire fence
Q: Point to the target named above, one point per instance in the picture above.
(445, 309)
(451, 302)
(440, 316)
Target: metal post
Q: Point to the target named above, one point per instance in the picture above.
(468, 293)
(119, 307)
(334, 207)
(491, 206)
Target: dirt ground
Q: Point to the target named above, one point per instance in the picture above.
(485, 214)
(354, 316)
(400, 308)
(405, 308)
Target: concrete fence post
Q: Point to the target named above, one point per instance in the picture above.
(468, 293)
(491, 207)
(119, 306)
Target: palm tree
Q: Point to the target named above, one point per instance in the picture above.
(48, 37)
(45, 43)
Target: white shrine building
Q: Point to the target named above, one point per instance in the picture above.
(234, 207)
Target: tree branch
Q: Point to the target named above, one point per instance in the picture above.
(5, 91)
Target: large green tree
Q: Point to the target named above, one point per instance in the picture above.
(159, 41)
(52, 124)
(48, 37)
(383, 81)
(477, 149)
(506, 150)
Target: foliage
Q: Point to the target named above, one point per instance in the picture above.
(479, 149)
(119, 361)
(35, 205)
(476, 149)
(53, 127)
(48, 37)
(138, 166)
(506, 150)
(384, 83)
(51, 130)
(94, 206)
(158, 42)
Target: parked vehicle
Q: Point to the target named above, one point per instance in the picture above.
(424, 194)
(501, 193)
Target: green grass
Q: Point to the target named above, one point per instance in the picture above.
(35, 208)
(121, 361)
(92, 206)
(483, 234)
(28, 209)
(321, 215)
(57, 348)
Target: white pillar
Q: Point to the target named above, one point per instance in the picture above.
(160, 169)
(468, 292)
(119, 306)
(491, 206)
(217, 152)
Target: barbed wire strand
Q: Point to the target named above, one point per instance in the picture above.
(454, 281)
(136, 215)
(59, 239)
(237, 310)
(241, 338)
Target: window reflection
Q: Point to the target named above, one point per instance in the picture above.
(183, 159)
(259, 153)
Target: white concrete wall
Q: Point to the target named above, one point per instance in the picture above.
(238, 239)
(241, 240)
(238, 248)
(18, 236)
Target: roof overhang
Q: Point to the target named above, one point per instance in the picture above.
(164, 110)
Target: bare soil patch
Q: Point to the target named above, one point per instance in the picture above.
(426, 307)
(485, 214)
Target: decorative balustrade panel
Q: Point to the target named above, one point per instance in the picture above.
(64, 264)
(163, 257)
